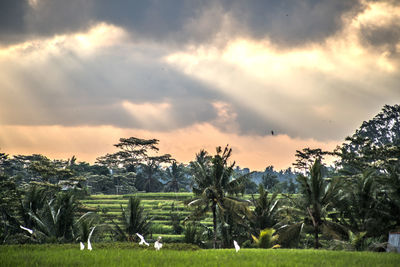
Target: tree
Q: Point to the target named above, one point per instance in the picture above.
(375, 144)
(9, 200)
(317, 195)
(55, 221)
(266, 210)
(391, 202)
(134, 221)
(307, 157)
(269, 180)
(175, 177)
(150, 173)
(46, 170)
(360, 206)
(34, 199)
(214, 188)
(3, 161)
(132, 151)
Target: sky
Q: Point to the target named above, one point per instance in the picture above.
(78, 75)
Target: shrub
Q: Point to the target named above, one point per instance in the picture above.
(267, 239)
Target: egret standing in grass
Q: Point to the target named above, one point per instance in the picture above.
(82, 246)
(236, 245)
(158, 244)
(142, 241)
(89, 245)
(26, 229)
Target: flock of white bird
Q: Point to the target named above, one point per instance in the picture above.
(157, 245)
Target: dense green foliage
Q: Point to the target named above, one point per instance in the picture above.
(134, 221)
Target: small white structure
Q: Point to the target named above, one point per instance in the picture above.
(394, 242)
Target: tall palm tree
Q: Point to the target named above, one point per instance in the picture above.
(316, 199)
(214, 187)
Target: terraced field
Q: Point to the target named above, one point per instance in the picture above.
(159, 206)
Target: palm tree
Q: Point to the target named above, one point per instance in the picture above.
(134, 221)
(214, 187)
(266, 210)
(360, 208)
(391, 185)
(34, 199)
(175, 177)
(54, 222)
(317, 196)
(149, 176)
(85, 223)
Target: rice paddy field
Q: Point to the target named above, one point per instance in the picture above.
(114, 255)
(159, 206)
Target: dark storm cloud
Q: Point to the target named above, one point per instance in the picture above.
(12, 24)
(286, 22)
(384, 37)
(293, 22)
(50, 17)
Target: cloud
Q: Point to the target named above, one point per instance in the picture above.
(241, 68)
(292, 23)
(321, 90)
(179, 22)
(85, 79)
(12, 23)
(380, 28)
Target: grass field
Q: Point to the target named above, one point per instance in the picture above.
(111, 255)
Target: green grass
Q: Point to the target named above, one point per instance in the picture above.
(129, 255)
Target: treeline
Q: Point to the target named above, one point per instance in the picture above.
(351, 205)
(127, 171)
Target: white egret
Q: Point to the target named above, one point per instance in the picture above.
(236, 245)
(26, 229)
(142, 241)
(158, 244)
(89, 245)
(82, 246)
